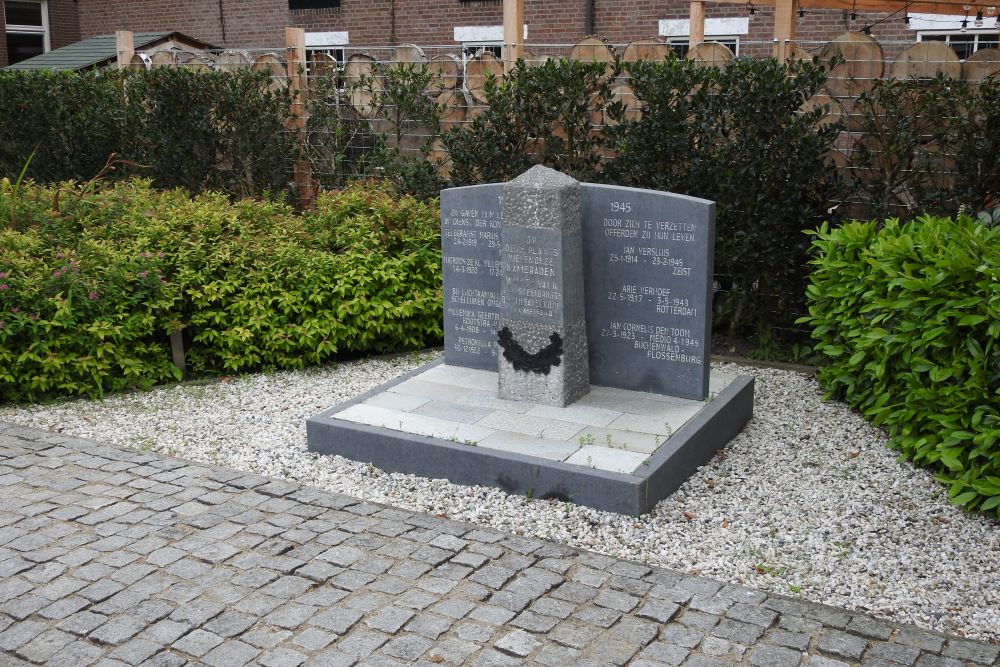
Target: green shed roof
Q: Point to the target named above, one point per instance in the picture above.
(94, 51)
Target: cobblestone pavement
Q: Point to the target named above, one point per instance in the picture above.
(110, 556)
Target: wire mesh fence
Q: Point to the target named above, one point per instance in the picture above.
(360, 100)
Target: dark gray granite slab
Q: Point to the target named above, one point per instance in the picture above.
(647, 284)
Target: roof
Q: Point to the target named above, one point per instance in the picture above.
(95, 51)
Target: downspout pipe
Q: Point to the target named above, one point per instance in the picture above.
(588, 17)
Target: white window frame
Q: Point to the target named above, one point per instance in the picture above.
(43, 30)
(975, 33)
(723, 39)
(678, 31)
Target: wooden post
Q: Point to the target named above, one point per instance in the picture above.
(295, 59)
(784, 27)
(124, 48)
(696, 31)
(513, 32)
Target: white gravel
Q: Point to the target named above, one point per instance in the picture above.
(807, 501)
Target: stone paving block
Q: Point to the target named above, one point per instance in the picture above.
(795, 640)
(81, 623)
(266, 637)
(737, 631)
(44, 645)
(429, 625)
(768, 655)
(232, 653)
(753, 614)
(311, 639)
(74, 654)
(117, 630)
(135, 651)
(599, 616)
(230, 623)
(842, 645)
(973, 651)
(337, 619)
(362, 643)
(518, 643)
(922, 639)
(617, 600)
(532, 622)
(407, 647)
(197, 643)
(453, 651)
(282, 657)
(927, 660)
(872, 628)
(390, 619)
(165, 632)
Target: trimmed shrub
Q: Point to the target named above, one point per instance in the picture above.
(93, 281)
(182, 128)
(907, 318)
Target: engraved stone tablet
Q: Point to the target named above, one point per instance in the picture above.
(542, 335)
(648, 267)
(470, 251)
(648, 284)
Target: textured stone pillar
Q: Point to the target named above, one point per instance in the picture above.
(543, 334)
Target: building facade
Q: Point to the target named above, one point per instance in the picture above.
(31, 27)
(746, 29)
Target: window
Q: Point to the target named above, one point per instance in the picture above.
(681, 45)
(963, 43)
(470, 51)
(27, 24)
(313, 4)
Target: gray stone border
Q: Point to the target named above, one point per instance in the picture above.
(395, 451)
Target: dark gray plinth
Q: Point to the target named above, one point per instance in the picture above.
(648, 300)
(634, 494)
(542, 327)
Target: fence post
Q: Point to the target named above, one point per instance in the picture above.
(295, 58)
(513, 32)
(784, 27)
(696, 29)
(124, 48)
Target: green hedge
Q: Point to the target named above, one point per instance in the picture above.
(93, 281)
(907, 318)
(182, 128)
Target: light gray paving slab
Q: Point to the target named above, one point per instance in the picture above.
(463, 414)
(607, 458)
(554, 450)
(413, 423)
(539, 427)
(395, 400)
(633, 441)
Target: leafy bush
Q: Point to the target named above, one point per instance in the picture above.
(926, 146)
(535, 115)
(736, 136)
(95, 279)
(907, 317)
(180, 127)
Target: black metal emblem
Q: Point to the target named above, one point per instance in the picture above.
(539, 362)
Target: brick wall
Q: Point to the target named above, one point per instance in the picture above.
(261, 23)
(3, 39)
(64, 27)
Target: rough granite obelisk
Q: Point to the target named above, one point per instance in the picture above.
(542, 355)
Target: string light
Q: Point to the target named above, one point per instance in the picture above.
(867, 30)
(965, 24)
(979, 18)
(906, 19)
(751, 10)
(802, 13)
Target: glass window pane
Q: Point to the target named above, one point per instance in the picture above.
(21, 46)
(987, 42)
(934, 38)
(20, 12)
